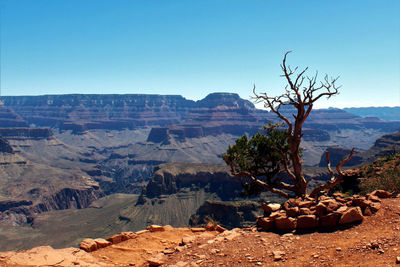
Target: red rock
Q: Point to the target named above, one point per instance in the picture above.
(155, 228)
(331, 205)
(142, 232)
(373, 198)
(338, 194)
(129, 235)
(102, 243)
(375, 206)
(268, 208)
(197, 229)
(305, 211)
(342, 209)
(210, 226)
(118, 238)
(279, 213)
(320, 209)
(88, 245)
(220, 229)
(265, 223)
(352, 215)
(329, 220)
(285, 223)
(307, 222)
(305, 204)
(294, 201)
(382, 194)
(156, 261)
(292, 211)
(361, 202)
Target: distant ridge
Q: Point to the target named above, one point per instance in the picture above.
(383, 113)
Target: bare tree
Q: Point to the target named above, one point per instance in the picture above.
(301, 92)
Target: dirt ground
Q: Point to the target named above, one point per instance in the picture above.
(375, 242)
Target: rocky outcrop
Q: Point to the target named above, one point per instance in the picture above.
(26, 133)
(19, 212)
(323, 213)
(5, 146)
(170, 178)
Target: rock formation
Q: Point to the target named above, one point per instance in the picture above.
(324, 213)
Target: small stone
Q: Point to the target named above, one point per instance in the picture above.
(156, 261)
(220, 229)
(197, 230)
(168, 251)
(277, 255)
(155, 228)
(397, 260)
(338, 249)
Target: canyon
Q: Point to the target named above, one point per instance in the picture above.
(152, 159)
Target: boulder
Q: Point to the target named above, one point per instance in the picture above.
(305, 204)
(265, 223)
(372, 198)
(307, 222)
(331, 205)
(320, 209)
(375, 206)
(285, 223)
(102, 243)
(129, 235)
(88, 245)
(292, 211)
(305, 211)
(329, 220)
(341, 210)
(352, 215)
(279, 213)
(268, 208)
(382, 194)
(361, 202)
(118, 238)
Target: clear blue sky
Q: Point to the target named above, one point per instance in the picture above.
(193, 48)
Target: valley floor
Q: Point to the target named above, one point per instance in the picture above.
(375, 242)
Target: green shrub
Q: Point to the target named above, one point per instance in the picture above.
(389, 181)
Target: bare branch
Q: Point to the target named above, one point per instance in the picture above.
(334, 181)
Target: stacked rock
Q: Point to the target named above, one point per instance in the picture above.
(322, 213)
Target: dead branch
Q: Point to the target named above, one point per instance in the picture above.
(334, 181)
